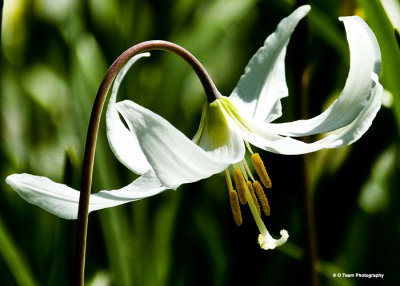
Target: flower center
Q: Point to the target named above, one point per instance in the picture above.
(249, 191)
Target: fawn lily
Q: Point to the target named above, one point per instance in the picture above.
(165, 158)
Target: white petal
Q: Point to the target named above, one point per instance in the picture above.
(145, 186)
(62, 201)
(55, 198)
(260, 89)
(174, 158)
(122, 141)
(360, 86)
(260, 135)
(352, 132)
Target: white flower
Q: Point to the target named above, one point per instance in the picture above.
(165, 158)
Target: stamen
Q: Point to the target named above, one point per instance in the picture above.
(249, 147)
(253, 195)
(228, 180)
(262, 197)
(240, 186)
(261, 171)
(237, 215)
(242, 169)
(246, 167)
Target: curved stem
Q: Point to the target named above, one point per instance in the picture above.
(88, 160)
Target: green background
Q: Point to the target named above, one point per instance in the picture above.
(54, 55)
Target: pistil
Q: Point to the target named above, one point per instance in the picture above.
(252, 192)
(253, 195)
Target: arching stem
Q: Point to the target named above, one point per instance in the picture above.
(88, 160)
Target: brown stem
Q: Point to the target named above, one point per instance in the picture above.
(88, 160)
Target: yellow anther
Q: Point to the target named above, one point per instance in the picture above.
(240, 185)
(237, 215)
(261, 171)
(253, 195)
(262, 197)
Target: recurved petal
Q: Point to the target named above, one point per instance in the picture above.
(123, 142)
(62, 201)
(260, 135)
(174, 158)
(263, 85)
(352, 132)
(360, 87)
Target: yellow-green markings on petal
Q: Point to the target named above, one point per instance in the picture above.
(233, 113)
(215, 125)
(197, 137)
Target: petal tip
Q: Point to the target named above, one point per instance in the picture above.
(306, 8)
(11, 180)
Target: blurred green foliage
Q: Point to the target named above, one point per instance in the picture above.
(53, 57)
